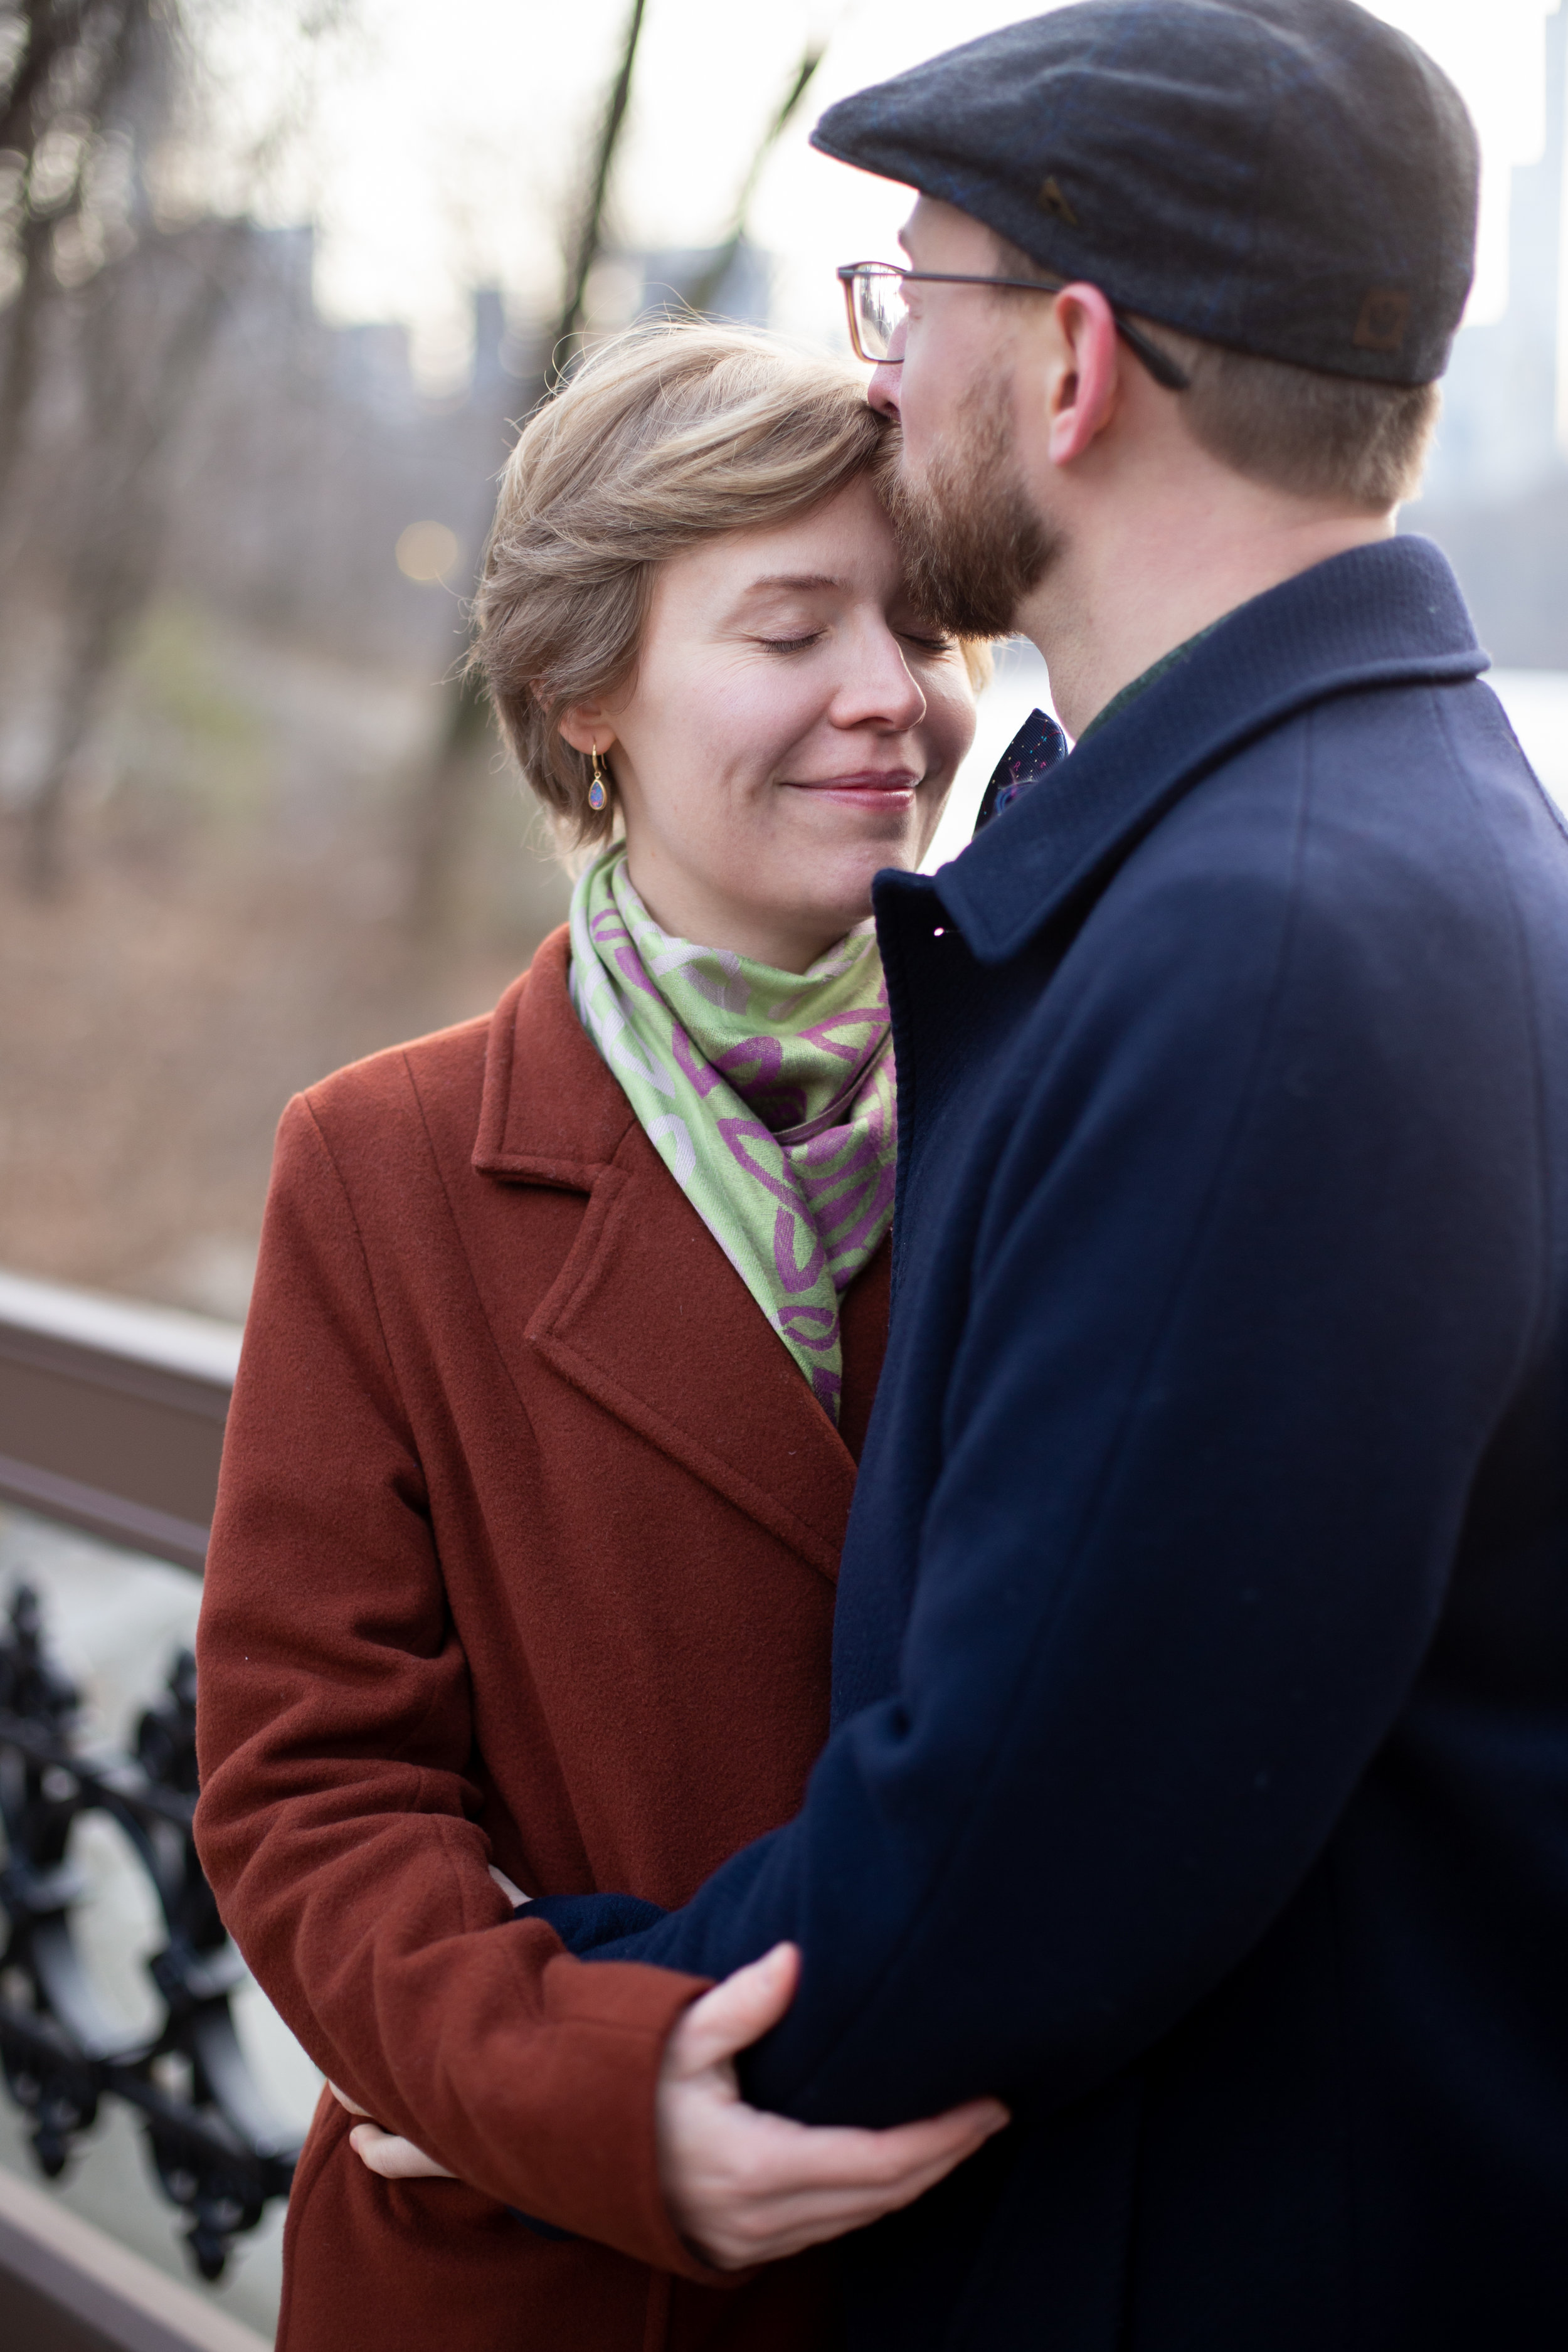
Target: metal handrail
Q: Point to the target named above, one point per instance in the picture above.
(65, 2282)
(112, 1414)
(217, 2150)
(111, 1420)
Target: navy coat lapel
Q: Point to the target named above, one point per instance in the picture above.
(1380, 615)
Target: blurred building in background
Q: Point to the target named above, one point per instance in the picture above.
(1497, 492)
(310, 453)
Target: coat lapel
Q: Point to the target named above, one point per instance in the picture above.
(647, 1315)
(1387, 615)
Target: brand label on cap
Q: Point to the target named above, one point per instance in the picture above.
(1050, 199)
(1381, 321)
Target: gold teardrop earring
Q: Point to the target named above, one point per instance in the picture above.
(599, 790)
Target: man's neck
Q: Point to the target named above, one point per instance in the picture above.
(1127, 588)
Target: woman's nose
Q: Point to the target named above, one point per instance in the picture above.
(881, 691)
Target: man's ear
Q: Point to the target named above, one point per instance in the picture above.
(1086, 376)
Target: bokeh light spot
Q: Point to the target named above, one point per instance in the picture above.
(427, 552)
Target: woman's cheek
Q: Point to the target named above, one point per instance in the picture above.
(951, 718)
(754, 723)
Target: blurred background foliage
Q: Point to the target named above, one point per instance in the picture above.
(251, 828)
(248, 827)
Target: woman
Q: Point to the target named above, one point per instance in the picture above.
(564, 1335)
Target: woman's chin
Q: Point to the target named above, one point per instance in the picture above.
(848, 837)
(841, 900)
(817, 881)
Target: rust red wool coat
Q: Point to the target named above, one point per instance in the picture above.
(524, 1549)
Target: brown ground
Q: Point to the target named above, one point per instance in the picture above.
(202, 964)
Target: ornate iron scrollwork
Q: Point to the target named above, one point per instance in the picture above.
(219, 2153)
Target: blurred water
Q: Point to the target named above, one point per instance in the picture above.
(1536, 701)
(114, 1621)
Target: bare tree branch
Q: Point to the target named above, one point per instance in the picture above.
(133, 415)
(591, 228)
(441, 805)
(79, 60)
(115, 343)
(442, 802)
(703, 292)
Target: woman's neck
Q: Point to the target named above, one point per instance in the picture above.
(688, 910)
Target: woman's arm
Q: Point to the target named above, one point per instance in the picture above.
(743, 2185)
(339, 1832)
(336, 1822)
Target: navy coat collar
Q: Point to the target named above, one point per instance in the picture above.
(1388, 615)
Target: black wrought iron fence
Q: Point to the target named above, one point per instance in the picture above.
(218, 2152)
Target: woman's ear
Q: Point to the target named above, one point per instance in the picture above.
(585, 727)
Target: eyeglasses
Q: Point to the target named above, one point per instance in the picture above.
(874, 298)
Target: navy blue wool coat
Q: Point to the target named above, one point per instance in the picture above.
(1199, 1781)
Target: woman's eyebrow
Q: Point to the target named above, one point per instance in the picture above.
(792, 580)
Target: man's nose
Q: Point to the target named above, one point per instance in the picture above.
(882, 392)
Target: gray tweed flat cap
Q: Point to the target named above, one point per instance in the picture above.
(1288, 177)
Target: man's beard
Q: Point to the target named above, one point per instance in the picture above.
(973, 546)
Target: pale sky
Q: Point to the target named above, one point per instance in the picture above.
(445, 132)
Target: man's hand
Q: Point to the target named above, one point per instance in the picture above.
(745, 2187)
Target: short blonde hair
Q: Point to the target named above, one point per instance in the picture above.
(669, 436)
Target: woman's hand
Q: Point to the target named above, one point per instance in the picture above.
(385, 2152)
(746, 2187)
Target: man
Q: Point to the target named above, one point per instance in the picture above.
(1200, 1769)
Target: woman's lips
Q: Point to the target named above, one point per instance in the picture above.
(868, 787)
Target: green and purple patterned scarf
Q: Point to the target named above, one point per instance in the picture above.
(769, 1095)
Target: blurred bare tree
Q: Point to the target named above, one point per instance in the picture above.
(442, 802)
(236, 533)
(68, 72)
(107, 324)
(443, 798)
(85, 79)
(705, 290)
(112, 314)
(591, 225)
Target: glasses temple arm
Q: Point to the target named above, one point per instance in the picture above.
(1160, 364)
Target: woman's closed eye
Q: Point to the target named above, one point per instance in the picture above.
(792, 645)
(927, 642)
